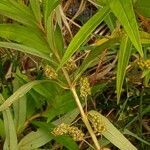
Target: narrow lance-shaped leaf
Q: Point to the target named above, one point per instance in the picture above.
(123, 10)
(143, 7)
(18, 12)
(35, 140)
(26, 49)
(35, 5)
(83, 33)
(109, 131)
(126, 131)
(25, 35)
(123, 59)
(19, 108)
(19, 93)
(48, 7)
(10, 132)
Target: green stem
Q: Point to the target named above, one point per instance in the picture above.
(85, 119)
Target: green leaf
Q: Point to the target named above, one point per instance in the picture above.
(145, 37)
(123, 10)
(30, 37)
(50, 33)
(34, 140)
(123, 59)
(59, 105)
(135, 136)
(68, 118)
(110, 21)
(2, 129)
(35, 5)
(68, 142)
(143, 7)
(18, 12)
(111, 132)
(83, 34)
(19, 93)
(19, 108)
(48, 7)
(10, 132)
(26, 49)
(58, 37)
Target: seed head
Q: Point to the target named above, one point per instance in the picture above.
(85, 89)
(97, 122)
(144, 64)
(50, 72)
(61, 129)
(72, 131)
(76, 134)
(70, 66)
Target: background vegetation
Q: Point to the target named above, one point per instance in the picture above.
(74, 74)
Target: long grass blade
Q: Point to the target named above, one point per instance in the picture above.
(123, 10)
(123, 59)
(83, 33)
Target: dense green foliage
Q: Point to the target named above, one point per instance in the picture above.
(67, 84)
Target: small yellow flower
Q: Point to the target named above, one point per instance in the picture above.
(97, 122)
(70, 66)
(75, 133)
(144, 64)
(60, 129)
(85, 89)
(72, 131)
(50, 72)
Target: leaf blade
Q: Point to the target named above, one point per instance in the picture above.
(125, 14)
(19, 93)
(123, 59)
(83, 33)
(111, 132)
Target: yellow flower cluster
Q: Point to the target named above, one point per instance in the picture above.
(97, 122)
(85, 89)
(76, 134)
(144, 63)
(72, 131)
(70, 66)
(61, 129)
(50, 72)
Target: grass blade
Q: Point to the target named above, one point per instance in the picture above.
(19, 108)
(35, 5)
(24, 35)
(26, 49)
(83, 33)
(111, 132)
(48, 7)
(10, 131)
(135, 136)
(143, 7)
(123, 59)
(19, 93)
(18, 12)
(34, 140)
(123, 10)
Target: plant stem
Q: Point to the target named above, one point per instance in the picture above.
(85, 119)
(83, 115)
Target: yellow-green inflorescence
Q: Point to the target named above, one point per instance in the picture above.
(144, 64)
(70, 66)
(97, 122)
(50, 72)
(61, 129)
(66, 129)
(85, 88)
